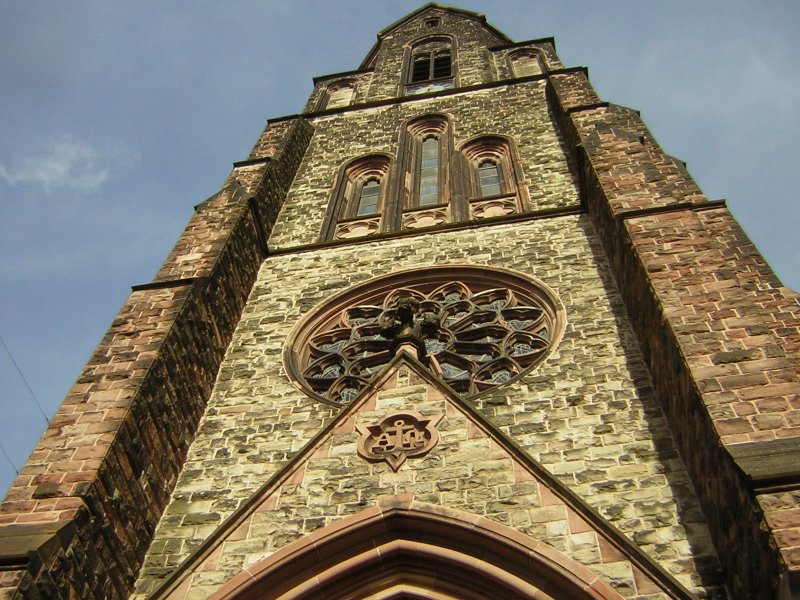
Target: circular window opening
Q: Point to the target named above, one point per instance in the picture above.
(476, 328)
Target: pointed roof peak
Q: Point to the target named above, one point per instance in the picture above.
(430, 6)
(442, 7)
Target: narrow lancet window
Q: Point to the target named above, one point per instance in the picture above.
(489, 179)
(359, 199)
(429, 173)
(369, 198)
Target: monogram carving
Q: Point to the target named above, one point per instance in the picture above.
(398, 436)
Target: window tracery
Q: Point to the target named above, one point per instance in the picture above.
(476, 328)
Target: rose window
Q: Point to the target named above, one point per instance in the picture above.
(476, 328)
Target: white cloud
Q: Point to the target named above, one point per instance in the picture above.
(62, 162)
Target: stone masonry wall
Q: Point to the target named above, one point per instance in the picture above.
(470, 469)
(703, 365)
(79, 517)
(587, 412)
(519, 112)
(272, 140)
(716, 328)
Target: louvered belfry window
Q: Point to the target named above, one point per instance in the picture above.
(431, 64)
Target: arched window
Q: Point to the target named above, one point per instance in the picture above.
(340, 94)
(431, 66)
(525, 63)
(357, 207)
(489, 178)
(369, 197)
(493, 176)
(429, 173)
(426, 195)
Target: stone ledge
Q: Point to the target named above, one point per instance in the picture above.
(20, 543)
(546, 213)
(168, 283)
(248, 162)
(448, 92)
(769, 466)
(635, 213)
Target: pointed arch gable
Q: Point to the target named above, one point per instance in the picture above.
(411, 549)
(205, 570)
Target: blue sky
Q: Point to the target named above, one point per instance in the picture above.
(118, 117)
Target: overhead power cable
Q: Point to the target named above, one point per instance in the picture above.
(25, 381)
(8, 458)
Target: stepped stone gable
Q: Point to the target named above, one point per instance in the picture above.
(651, 453)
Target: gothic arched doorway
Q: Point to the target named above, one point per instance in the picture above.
(411, 550)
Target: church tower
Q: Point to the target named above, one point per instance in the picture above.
(460, 329)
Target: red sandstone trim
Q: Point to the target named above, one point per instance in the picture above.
(407, 543)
